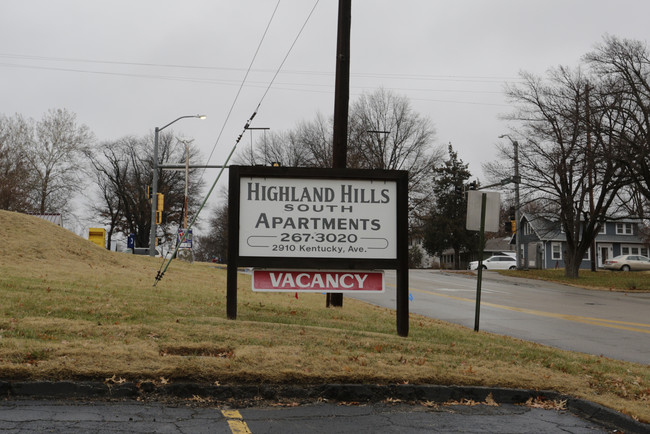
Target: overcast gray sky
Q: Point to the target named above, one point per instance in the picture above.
(127, 66)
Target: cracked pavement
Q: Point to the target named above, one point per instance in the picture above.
(65, 416)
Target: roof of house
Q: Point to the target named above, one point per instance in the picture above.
(498, 245)
(549, 230)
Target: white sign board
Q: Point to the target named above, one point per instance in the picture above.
(318, 218)
(492, 210)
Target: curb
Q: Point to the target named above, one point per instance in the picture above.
(366, 393)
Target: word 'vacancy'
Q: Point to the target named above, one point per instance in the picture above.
(286, 193)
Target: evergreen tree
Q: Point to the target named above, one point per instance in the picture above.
(445, 226)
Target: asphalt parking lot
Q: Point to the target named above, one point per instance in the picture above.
(71, 407)
(60, 416)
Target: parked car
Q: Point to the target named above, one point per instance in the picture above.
(628, 263)
(498, 262)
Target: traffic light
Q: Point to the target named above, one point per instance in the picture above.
(513, 221)
(148, 193)
(160, 204)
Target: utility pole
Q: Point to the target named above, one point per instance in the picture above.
(187, 183)
(341, 103)
(590, 162)
(517, 180)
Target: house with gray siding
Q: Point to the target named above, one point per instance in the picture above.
(544, 242)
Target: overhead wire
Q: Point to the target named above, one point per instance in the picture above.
(470, 78)
(181, 239)
(241, 86)
(162, 271)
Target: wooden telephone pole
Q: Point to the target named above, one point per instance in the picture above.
(341, 102)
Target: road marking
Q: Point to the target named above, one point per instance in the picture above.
(236, 422)
(622, 325)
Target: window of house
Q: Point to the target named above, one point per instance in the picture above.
(528, 229)
(556, 251)
(587, 255)
(633, 250)
(644, 251)
(623, 228)
(603, 229)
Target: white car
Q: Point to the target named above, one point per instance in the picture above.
(499, 262)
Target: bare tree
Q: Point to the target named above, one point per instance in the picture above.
(623, 66)
(123, 170)
(316, 137)
(214, 245)
(384, 132)
(15, 177)
(55, 155)
(560, 163)
(284, 148)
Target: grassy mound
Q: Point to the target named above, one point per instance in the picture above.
(71, 310)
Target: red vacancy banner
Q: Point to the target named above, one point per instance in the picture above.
(318, 281)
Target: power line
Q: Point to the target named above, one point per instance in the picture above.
(162, 271)
(289, 51)
(232, 106)
(399, 76)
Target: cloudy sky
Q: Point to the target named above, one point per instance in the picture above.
(125, 67)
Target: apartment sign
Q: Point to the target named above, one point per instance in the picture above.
(318, 218)
(304, 229)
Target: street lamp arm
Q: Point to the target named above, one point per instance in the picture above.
(178, 119)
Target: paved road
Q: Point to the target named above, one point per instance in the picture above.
(613, 324)
(138, 417)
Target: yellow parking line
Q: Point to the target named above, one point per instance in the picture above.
(622, 325)
(236, 422)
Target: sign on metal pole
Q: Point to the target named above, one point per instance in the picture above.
(307, 229)
(492, 210)
(483, 209)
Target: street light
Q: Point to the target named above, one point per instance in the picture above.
(517, 181)
(154, 183)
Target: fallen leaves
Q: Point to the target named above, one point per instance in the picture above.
(489, 401)
(546, 404)
(114, 380)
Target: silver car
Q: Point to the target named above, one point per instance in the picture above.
(498, 262)
(628, 263)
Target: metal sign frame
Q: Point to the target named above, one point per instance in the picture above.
(399, 263)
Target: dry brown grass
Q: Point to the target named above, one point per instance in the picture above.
(71, 310)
